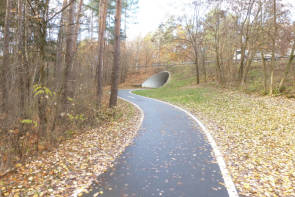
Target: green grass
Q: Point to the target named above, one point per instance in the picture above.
(251, 130)
(181, 89)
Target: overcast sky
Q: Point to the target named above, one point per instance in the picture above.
(152, 12)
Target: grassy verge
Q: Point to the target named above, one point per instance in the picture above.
(255, 133)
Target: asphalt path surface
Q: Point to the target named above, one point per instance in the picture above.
(169, 157)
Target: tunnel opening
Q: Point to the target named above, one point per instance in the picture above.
(157, 80)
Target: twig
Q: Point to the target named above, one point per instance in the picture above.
(29, 2)
(7, 172)
(60, 11)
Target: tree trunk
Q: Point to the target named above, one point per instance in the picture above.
(272, 65)
(20, 57)
(24, 74)
(247, 68)
(67, 93)
(5, 68)
(218, 66)
(204, 65)
(20, 76)
(242, 62)
(58, 69)
(75, 47)
(60, 43)
(103, 5)
(287, 68)
(77, 25)
(116, 66)
(42, 100)
(217, 55)
(124, 64)
(197, 68)
(264, 72)
(91, 26)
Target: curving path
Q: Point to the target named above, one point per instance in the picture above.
(169, 157)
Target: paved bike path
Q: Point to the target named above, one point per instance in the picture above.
(169, 157)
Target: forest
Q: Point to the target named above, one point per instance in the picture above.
(63, 61)
(228, 43)
(52, 78)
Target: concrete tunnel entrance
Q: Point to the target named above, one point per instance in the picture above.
(157, 80)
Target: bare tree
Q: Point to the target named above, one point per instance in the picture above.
(264, 71)
(77, 25)
(291, 57)
(67, 92)
(103, 6)
(23, 71)
(244, 34)
(272, 65)
(60, 43)
(5, 68)
(42, 25)
(193, 30)
(40, 62)
(213, 25)
(116, 66)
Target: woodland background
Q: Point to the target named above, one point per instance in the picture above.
(58, 60)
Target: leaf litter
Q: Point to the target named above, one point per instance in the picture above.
(77, 162)
(257, 137)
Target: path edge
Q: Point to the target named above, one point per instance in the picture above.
(78, 191)
(229, 184)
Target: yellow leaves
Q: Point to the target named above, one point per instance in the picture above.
(15, 131)
(83, 166)
(256, 140)
(41, 147)
(13, 10)
(18, 165)
(83, 191)
(64, 167)
(28, 121)
(75, 162)
(16, 195)
(98, 193)
(255, 134)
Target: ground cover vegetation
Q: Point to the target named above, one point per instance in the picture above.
(247, 45)
(76, 162)
(254, 132)
(59, 59)
(52, 81)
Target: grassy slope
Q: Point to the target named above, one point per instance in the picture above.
(256, 134)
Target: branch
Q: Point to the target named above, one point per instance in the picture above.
(60, 10)
(10, 170)
(29, 2)
(183, 40)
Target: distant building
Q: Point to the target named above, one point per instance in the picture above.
(257, 57)
(238, 55)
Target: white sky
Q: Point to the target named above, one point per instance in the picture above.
(152, 12)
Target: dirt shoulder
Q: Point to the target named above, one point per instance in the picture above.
(76, 162)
